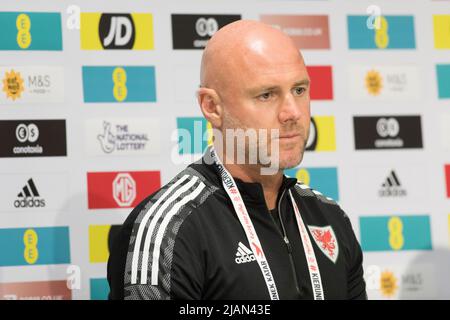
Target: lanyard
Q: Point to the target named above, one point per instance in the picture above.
(235, 196)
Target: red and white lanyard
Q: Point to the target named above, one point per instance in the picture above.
(235, 196)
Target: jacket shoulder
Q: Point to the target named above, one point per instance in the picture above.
(306, 191)
(155, 229)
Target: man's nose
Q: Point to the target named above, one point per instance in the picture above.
(290, 109)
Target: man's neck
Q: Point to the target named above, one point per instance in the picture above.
(252, 173)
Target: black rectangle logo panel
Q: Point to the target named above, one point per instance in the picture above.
(32, 138)
(387, 132)
(192, 31)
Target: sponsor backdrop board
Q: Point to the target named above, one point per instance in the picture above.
(98, 110)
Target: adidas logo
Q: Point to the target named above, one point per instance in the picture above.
(392, 187)
(244, 254)
(29, 197)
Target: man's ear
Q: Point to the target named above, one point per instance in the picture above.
(209, 102)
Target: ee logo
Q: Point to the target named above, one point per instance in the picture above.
(31, 252)
(119, 78)
(23, 25)
(395, 227)
(380, 24)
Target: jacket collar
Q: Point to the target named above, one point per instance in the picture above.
(251, 192)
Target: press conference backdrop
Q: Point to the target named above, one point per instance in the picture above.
(97, 98)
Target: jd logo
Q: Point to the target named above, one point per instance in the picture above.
(117, 31)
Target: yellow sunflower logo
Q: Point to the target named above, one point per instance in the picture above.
(388, 284)
(13, 85)
(374, 82)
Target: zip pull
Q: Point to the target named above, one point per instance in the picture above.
(288, 245)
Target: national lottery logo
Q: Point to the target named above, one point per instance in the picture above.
(107, 139)
(121, 138)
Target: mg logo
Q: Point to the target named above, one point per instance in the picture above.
(124, 189)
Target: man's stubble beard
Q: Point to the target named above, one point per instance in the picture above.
(230, 122)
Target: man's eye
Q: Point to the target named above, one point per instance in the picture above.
(265, 96)
(299, 91)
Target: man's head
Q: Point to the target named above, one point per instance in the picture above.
(254, 77)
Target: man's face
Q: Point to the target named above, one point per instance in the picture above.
(270, 91)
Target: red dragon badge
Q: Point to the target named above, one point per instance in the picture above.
(326, 241)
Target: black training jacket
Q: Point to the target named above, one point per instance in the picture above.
(186, 242)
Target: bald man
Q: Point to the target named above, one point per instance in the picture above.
(227, 229)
